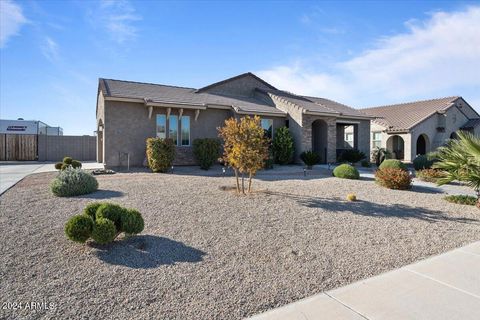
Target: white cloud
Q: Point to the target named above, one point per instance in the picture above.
(11, 20)
(50, 49)
(118, 18)
(436, 57)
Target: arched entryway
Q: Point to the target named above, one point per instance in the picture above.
(320, 139)
(100, 141)
(423, 144)
(396, 146)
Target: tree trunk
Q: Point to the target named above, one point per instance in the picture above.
(243, 183)
(250, 176)
(238, 182)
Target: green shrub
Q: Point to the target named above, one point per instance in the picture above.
(76, 164)
(132, 221)
(58, 165)
(79, 228)
(73, 182)
(64, 166)
(430, 175)
(103, 222)
(393, 178)
(206, 151)
(350, 155)
(310, 158)
(104, 231)
(67, 160)
(366, 164)
(282, 146)
(160, 154)
(346, 171)
(91, 209)
(393, 163)
(423, 162)
(111, 212)
(462, 199)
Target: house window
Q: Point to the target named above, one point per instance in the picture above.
(267, 125)
(349, 140)
(173, 128)
(161, 126)
(185, 133)
(377, 140)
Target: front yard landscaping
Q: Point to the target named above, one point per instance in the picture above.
(208, 253)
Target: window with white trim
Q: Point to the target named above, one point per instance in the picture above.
(267, 125)
(349, 140)
(376, 139)
(161, 126)
(185, 130)
(173, 128)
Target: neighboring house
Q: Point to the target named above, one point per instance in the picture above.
(414, 128)
(130, 112)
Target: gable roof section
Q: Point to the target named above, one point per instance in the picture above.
(181, 95)
(243, 75)
(317, 105)
(404, 116)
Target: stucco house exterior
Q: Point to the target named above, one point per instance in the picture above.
(130, 112)
(414, 128)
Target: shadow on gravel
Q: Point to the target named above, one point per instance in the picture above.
(146, 252)
(102, 194)
(372, 209)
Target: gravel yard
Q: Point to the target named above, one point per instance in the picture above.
(207, 253)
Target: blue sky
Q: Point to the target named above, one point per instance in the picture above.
(359, 53)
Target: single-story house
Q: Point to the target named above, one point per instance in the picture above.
(130, 112)
(414, 128)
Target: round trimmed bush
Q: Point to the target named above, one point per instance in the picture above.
(394, 164)
(91, 209)
(58, 165)
(346, 171)
(67, 160)
(393, 178)
(73, 182)
(132, 221)
(76, 164)
(422, 162)
(104, 231)
(111, 212)
(64, 166)
(79, 228)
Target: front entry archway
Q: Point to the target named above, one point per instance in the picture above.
(320, 139)
(396, 146)
(422, 144)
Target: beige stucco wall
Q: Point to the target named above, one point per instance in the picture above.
(100, 121)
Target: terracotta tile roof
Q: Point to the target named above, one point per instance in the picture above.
(315, 104)
(404, 116)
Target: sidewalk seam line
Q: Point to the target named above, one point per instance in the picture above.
(443, 283)
(346, 306)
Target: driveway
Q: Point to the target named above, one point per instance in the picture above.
(13, 171)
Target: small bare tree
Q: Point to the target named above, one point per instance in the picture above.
(245, 148)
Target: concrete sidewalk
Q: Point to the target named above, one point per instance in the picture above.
(12, 172)
(446, 286)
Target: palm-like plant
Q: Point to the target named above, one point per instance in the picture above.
(460, 159)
